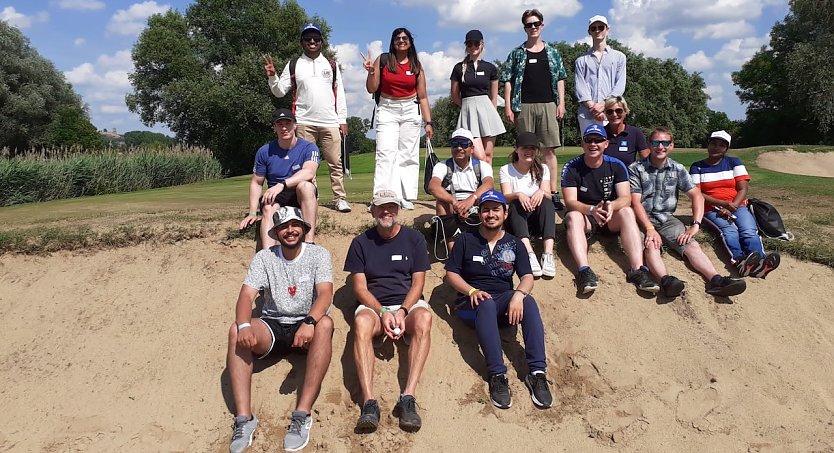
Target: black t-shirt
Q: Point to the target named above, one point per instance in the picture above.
(491, 272)
(594, 184)
(536, 86)
(388, 265)
(475, 83)
(626, 145)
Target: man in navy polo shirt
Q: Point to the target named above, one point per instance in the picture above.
(288, 164)
(388, 264)
(481, 266)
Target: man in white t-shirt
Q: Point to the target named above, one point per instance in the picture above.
(457, 183)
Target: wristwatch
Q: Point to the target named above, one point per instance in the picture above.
(310, 320)
(696, 222)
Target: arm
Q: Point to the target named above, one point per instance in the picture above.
(459, 284)
(462, 207)
(324, 298)
(436, 189)
(455, 93)
(306, 173)
(560, 109)
(515, 309)
(508, 110)
(620, 77)
(623, 200)
(493, 93)
(280, 86)
(697, 215)
(243, 314)
(653, 239)
(583, 91)
(255, 188)
(424, 103)
(572, 203)
(741, 195)
(372, 82)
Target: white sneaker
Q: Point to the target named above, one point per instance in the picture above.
(534, 264)
(406, 204)
(548, 266)
(342, 205)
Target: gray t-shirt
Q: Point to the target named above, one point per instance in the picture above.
(289, 286)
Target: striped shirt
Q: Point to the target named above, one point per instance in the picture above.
(719, 180)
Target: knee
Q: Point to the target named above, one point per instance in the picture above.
(575, 221)
(530, 305)
(305, 188)
(363, 324)
(233, 333)
(422, 321)
(487, 306)
(324, 326)
(626, 215)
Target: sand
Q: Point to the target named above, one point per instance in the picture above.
(810, 164)
(124, 350)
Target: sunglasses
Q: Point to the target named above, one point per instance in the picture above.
(613, 111)
(460, 144)
(402, 39)
(535, 24)
(472, 43)
(590, 139)
(596, 29)
(314, 39)
(665, 143)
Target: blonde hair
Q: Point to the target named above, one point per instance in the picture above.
(613, 100)
(468, 59)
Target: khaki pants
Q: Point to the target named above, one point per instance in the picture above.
(330, 145)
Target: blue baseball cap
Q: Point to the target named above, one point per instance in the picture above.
(310, 26)
(595, 129)
(492, 195)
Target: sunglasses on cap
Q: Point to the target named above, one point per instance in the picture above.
(460, 143)
(592, 139)
(535, 24)
(665, 143)
(315, 39)
(618, 111)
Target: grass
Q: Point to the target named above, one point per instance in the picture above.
(211, 208)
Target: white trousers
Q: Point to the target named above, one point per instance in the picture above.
(398, 147)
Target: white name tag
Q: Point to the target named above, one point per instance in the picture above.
(409, 73)
(304, 278)
(583, 189)
(479, 73)
(533, 60)
(296, 167)
(624, 148)
(396, 257)
(478, 259)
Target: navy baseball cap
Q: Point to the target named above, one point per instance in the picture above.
(492, 195)
(283, 114)
(595, 129)
(310, 26)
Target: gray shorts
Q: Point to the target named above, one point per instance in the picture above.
(669, 232)
(540, 119)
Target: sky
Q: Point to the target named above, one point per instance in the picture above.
(90, 41)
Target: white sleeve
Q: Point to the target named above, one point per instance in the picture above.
(545, 173)
(439, 171)
(280, 86)
(486, 171)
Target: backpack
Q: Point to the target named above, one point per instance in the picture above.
(446, 183)
(769, 221)
(295, 85)
(383, 60)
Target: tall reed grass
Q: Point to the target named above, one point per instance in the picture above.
(41, 175)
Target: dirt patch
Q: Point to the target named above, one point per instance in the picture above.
(796, 163)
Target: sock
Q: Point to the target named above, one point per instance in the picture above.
(715, 278)
(582, 268)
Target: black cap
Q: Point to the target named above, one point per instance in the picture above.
(526, 139)
(283, 114)
(474, 35)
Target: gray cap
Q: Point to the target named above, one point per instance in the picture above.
(385, 196)
(287, 213)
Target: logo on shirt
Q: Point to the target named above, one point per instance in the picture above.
(607, 186)
(326, 73)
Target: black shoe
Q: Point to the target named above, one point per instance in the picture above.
(640, 278)
(726, 286)
(499, 391)
(587, 281)
(539, 391)
(671, 286)
(749, 264)
(369, 417)
(557, 201)
(768, 264)
(406, 410)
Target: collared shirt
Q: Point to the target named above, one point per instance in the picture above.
(513, 72)
(315, 104)
(464, 180)
(489, 270)
(626, 145)
(659, 187)
(596, 79)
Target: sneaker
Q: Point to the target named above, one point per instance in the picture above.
(244, 431)
(726, 286)
(640, 278)
(768, 264)
(406, 204)
(534, 265)
(342, 205)
(671, 286)
(587, 281)
(298, 433)
(406, 410)
(369, 418)
(539, 390)
(748, 264)
(548, 266)
(557, 201)
(499, 391)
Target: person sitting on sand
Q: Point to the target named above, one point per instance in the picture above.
(288, 164)
(481, 268)
(655, 183)
(297, 283)
(388, 265)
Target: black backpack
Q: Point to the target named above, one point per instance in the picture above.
(769, 221)
(446, 183)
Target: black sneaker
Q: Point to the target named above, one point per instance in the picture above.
(539, 390)
(369, 417)
(587, 281)
(768, 264)
(671, 286)
(406, 410)
(726, 286)
(499, 391)
(557, 201)
(749, 264)
(640, 278)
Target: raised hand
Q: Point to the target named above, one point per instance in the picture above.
(269, 68)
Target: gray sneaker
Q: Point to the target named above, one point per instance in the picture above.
(342, 205)
(244, 430)
(298, 433)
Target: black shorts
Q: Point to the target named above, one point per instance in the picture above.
(282, 337)
(286, 198)
(452, 225)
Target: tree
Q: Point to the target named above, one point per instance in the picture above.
(201, 73)
(717, 121)
(357, 140)
(32, 93)
(444, 118)
(148, 138)
(72, 127)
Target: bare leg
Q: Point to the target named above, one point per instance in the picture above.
(552, 165)
(267, 240)
(366, 326)
(478, 152)
(527, 244)
(625, 223)
(698, 259)
(418, 326)
(239, 362)
(655, 262)
(547, 243)
(318, 359)
(309, 206)
(489, 148)
(577, 242)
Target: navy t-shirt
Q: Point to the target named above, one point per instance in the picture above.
(625, 145)
(388, 264)
(491, 272)
(594, 184)
(475, 83)
(277, 164)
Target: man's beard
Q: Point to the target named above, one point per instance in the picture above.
(385, 224)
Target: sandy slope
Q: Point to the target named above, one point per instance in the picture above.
(811, 164)
(124, 350)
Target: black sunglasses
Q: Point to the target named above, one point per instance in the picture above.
(460, 144)
(315, 39)
(535, 24)
(596, 29)
(590, 139)
(665, 143)
(618, 111)
(402, 38)
(472, 43)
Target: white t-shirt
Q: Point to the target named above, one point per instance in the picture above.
(463, 179)
(522, 182)
(314, 104)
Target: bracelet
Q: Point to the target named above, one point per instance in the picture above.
(591, 211)
(650, 227)
(404, 309)
(429, 123)
(253, 213)
(522, 292)
(243, 325)
(383, 311)
(472, 291)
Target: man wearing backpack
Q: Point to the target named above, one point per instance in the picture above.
(318, 103)
(457, 183)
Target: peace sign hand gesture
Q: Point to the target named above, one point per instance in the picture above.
(269, 68)
(367, 63)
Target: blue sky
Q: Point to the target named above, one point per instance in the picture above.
(90, 40)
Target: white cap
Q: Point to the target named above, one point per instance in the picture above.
(598, 19)
(722, 134)
(465, 133)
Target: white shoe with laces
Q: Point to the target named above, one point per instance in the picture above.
(534, 264)
(342, 205)
(548, 266)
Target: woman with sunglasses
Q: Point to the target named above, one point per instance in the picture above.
(475, 90)
(625, 142)
(401, 82)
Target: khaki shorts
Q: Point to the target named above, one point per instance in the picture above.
(669, 232)
(540, 119)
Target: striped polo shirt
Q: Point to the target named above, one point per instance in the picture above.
(719, 180)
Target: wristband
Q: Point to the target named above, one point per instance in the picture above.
(650, 227)
(472, 291)
(404, 309)
(591, 211)
(696, 222)
(383, 311)
(429, 123)
(253, 214)
(243, 325)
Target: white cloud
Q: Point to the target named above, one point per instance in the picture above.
(134, 19)
(493, 15)
(80, 4)
(103, 84)
(725, 30)
(736, 52)
(697, 62)
(16, 19)
(113, 108)
(79, 42)
(120, 60)
(716, 94)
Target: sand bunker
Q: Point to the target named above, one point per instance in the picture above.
(796, 163)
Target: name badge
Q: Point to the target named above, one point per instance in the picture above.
(583, 189)
(396, 257)
(304, 278)
(623, 149)
(409, 73)
(479, 73)
(296, 167)
(533, 60)
(478, 259)
(623, 143)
